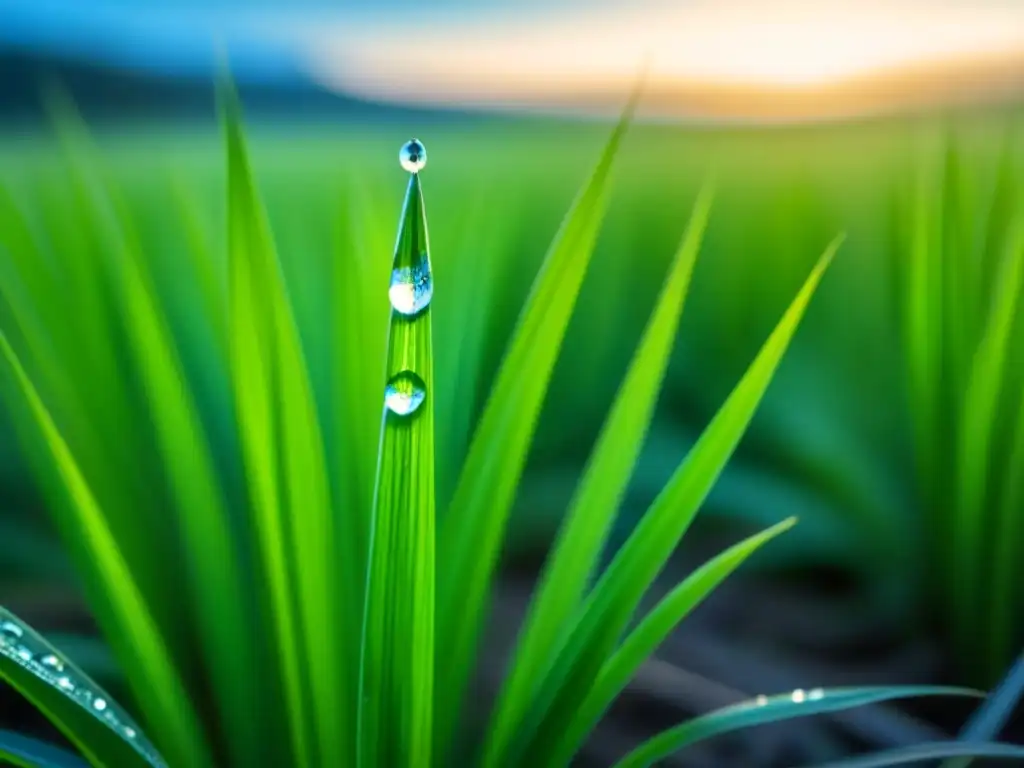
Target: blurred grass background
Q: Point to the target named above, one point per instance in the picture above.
(834, 442)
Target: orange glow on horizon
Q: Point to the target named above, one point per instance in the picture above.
(779, 46)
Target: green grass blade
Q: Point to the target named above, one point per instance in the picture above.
(206, 264)
(585, 530)
(253, 330)
(650, 633)
(994, 712)
(26, 752)
(80, 708)
(1006, 563)
(1006, 587)
(977, 422)
(396, 695)
(618, 593)
(215, 570)
(164, 698)
(937, 750)
(471, 533)
(771, 709)
(922, 312)
(312, 534)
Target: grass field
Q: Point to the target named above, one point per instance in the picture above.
(893, 428)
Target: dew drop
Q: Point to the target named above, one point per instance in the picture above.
(413, 156)
(411, 288)
(8, 629)
(52, 662)
(99, 704)
(815, 694)
(129, 732)
(23, 653)
(761, 700)
(799, 696)
(404, 393)
(65, 684)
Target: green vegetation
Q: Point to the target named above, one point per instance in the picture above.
(206, 402)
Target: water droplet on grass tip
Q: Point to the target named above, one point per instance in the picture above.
(413, 156)
(405, 392)
(411, 288)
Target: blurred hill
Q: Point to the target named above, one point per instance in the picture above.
(105, 92)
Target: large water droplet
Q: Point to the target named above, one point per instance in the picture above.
(413, 156)
(411, 288)
(405, 392)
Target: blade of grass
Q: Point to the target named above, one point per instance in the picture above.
(396, 694)
(471, 533)
(993, 714)
(83, 711)
(253, 330)
(613, 601)
(163, 695)
(922, 311)
(91, 343)
(26, 752)
(977, 422)
(591, 513)
(771, 709)
(225, 627)
(360, 319)
(1006, 587)
(207, 268)
(312, 534)
(643, 641)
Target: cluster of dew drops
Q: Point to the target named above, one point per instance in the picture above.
(27, 649)
(410, 293)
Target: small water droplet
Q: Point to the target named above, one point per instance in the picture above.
(10, 630)
(815, 694)
(52, 662)
(799, 696)
(99, 704)
(761, 700)
(23, 653)
(129, 732)
(411, 288)
(404, 393)
(413, 156)
(65, 683)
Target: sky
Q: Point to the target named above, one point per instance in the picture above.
(698, 54)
